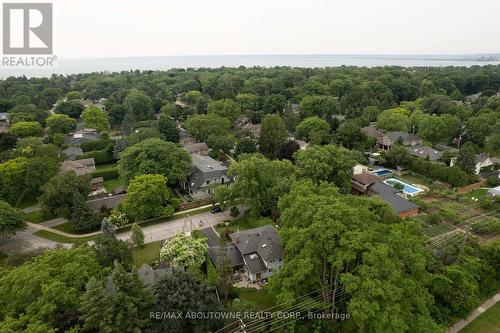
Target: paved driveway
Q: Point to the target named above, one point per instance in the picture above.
(26, 242)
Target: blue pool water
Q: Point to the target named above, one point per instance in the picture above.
(407, 188)
(382, 172)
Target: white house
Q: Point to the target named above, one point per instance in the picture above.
(482, 161)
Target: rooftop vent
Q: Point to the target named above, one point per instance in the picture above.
(253, 256)
(264, 245)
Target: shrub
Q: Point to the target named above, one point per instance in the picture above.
(493, 181)
(433, 218)
(118, 219)
(107, 174)
(234, 211)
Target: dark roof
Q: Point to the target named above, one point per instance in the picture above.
(230, 251)
(373, 132)
(149, 275)
(388, 194)
(106, 202)
(406, 138)
(196, 147)
(366, 178)
(424, 152)
(262, 240)
(254, 263)
(481, 158)
(212, 237)
(72, 152)
(120, 190)
(80, 136)
(204, 168)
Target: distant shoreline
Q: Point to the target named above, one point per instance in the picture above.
(116, 64)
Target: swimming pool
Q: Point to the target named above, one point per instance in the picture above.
(407, 188)
(382, 172)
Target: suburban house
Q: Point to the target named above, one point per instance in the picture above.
(359, 168)
(205, 174)
(72, 153)
(81, 136)
(257, 251)
(244, 124)
(472, 98)
(200, 148)
(401, 206)
(482, 161)
(391, 138)
(108, 202)
(370, 184)
(150, 275)
(425, 153)
(185, 138)
(4, 117)
(494, 192)
(373, 132)
(80, 167)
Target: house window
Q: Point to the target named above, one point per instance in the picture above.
(222, 180)
(208, 182)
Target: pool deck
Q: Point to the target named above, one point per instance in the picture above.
(407, 186)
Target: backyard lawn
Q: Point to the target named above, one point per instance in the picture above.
(262, 298)
(28, 201)
(147, 254)
(35, 217)
(112, 184)
(244, 223)
(486, 322)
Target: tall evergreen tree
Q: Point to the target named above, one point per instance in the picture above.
(273, 134)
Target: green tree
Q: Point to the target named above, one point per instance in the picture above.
(24, 129)
(108, 228)
(45, 292)
(466, 159)
(398, 155)
(262, 182)
(183, 293)
(438, 129)
(314, 130)
(109, 250)
(11, 220)
(336, 244)
(140, 104)
(248, 102)
(327, 163)
(201, 126)
(273, 134)
(168, 129)
(40, 170)
(350, 135)
(71, 95)
(226, 108)
(274, 103)
(184, 251)
(320, 106)
(93, 117)
(72, 109)
(221, 143)
(12, 179)
(148, 197)
(123, 307)
(137, 236)
(116, 114)
(82, 218)
(155, 156)
(394, 120)
(57, 194)
(60, 123)
(245, 146)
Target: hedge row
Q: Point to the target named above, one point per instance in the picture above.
(95, 145)
(453, 175)
(100, 156)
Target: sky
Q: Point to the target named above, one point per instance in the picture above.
(129, 28)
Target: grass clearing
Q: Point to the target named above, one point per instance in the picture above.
(35, 217)
(112, 184)
(244, 223)
(261, 298)
(28, 201)
(147, 254)
(486, 322)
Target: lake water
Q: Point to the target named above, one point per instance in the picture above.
(75, 66)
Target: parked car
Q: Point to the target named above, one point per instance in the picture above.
(216, 209)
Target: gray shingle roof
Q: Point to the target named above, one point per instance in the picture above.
(254, 263)
(424, 152)
(230, 251)
(106, 202)
(388, 194)
(262, 240)
(204, 168)
(407, 138)
(72, 152)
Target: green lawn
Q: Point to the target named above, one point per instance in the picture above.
(111, 184)
(486, 322)
(147, 254)
(35, 217)
(244, 223)
(28, 201)
(262, 298)
(68, 227)
(3, 258)
(105, 166)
